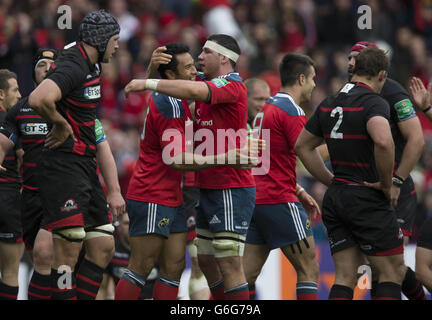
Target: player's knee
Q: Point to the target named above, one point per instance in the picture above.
(74, 234)
(43, 255)
(228, 244)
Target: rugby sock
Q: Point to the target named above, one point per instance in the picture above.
(88, 278)
(39, 286)
(165, 289)
(238, 293)
(411, 287)
(339, 292)
(307, 290)
(129, 286)
(63, 285)
(252, 292)
(374, 289)
(388, 291)
(217, 290)
(8, 292)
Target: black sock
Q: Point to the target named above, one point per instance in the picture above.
(411, 287)
(339, 292)
(63, 285)
(89, 278)
(252, 292)
(39, 287)
(8, 292)
(388, 291)
(374, 289)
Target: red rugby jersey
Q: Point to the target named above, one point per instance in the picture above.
(285, 120)
(227, 110)
(153, 180)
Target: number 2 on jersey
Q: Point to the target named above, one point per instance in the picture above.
(334, 134)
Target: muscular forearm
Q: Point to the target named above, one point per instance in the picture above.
(107, 167)
(48, 111)
(410, 157)
(313, 162)
(195, 162)
(384, 160)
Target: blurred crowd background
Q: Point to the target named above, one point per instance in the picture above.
(265, 29)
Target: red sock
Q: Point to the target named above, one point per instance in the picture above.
(307, 290)
(217, 290)
(239, 293)
(165, 289)
(129, 287)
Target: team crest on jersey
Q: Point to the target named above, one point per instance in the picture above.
(308, 224)
(69, 205)
(163, 222)
(92, 92)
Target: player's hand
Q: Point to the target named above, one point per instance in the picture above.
(394, 195)
(58, 135)
(419, 93)
(116, 204)
(158, 57)
(136, 85)
(2, 168)
(311, 206)
(379, 186)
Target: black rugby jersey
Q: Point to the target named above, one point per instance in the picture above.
(10, 160)
(401, 108)
(341, 119)
(24, 123)
(79, 82)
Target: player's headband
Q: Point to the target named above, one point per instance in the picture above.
(359, 46)
(221, 50)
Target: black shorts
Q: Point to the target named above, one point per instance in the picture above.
(10, 213)
(425, 237)
(190, 201)
(406, 207)
(31, 216)
(71, 193)
(356, 215)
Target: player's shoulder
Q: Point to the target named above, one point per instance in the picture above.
(286, 104)
(167, 106)
(391, 88)
(21, 107)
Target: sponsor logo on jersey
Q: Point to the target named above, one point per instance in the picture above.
(404, 108)
(69, 205)
(205, 123)
(220, 82)
(34, 128)
(163, 222)
(92, 92)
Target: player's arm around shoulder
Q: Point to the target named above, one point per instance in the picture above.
(180, 89)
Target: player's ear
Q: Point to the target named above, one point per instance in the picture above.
(382, 75)
(302, 79)
(170, 74)
(2, 94)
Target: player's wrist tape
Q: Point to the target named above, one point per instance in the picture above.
(397, 182)
(151, 84)
(300, 191)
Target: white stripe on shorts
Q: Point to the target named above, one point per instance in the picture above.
(297, 221)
